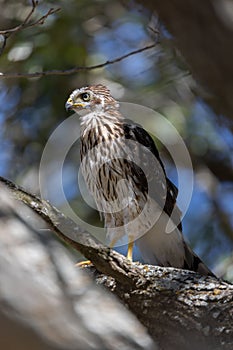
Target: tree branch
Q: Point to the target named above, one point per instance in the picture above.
(76, 69)
(105, 260)
(26, 24)
(181, 309)
(47, 303)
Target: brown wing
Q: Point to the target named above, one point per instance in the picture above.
(161, 189)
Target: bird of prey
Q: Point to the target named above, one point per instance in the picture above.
(126, 177)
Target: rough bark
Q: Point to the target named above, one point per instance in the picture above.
(202, 31)
(47, 303)
(179, 308)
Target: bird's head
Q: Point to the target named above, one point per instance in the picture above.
(94, 98)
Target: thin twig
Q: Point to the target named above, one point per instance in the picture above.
(75, 69)
(26, 24)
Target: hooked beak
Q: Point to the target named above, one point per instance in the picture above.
(70, 105)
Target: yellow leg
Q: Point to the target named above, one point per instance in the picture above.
(130, 251)
(83, 263)
(112, 243)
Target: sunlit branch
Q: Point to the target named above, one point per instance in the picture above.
(103, 258)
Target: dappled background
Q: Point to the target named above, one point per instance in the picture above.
(90, 33)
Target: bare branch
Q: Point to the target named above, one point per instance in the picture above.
(26, 24)
(76, 69)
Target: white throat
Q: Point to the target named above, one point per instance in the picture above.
(90, 120)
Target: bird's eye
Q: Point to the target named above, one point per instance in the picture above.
(85, 97)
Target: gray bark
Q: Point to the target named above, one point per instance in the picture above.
(47, 303)
(180, 309)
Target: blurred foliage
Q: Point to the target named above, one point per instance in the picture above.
(87, 33)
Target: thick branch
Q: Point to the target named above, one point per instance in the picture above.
(181, 309)
(48, 304)
(105, 260)
(171, 303)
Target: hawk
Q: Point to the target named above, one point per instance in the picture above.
(127, 179)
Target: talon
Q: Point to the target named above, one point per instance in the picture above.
(83, 263)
